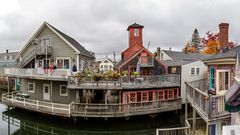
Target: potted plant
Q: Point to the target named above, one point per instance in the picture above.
(79, 77)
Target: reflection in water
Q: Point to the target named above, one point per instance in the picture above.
(29, 123)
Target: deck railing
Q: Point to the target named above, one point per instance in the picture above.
(39, 72)
(208, 106)
(155, 80)
(120, 110)
(15, 99)
(174, 131)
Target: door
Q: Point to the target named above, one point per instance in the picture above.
(46, 91)
(223, 81)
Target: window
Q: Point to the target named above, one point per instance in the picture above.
(46, 41)
(132, 97)
(31, 87)
(110, 66)
(161, 56)
(197, 71)
(212, 77)
(161, 95)
(144, 96)
(223, 80)
(170, 94)
(63, 63)
(192, 71)
(174, 70)
(63, 90)
(150, 95)
(136, 32)
(105, 66)
(101, 66)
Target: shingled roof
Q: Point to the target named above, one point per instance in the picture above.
(72, 41)
(228, 54)
(181, 58)
(135, 25)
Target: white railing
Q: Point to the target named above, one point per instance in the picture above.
(40, 72)
(175, 131)
(15, 99)
(208, 106)
(150, 81)
(121, 110)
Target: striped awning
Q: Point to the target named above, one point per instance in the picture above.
(232, 93)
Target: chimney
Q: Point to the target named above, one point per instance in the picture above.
(223, 35)
(170, 49)
(158, 52)
(7, 51)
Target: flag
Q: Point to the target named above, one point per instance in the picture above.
(138, 65)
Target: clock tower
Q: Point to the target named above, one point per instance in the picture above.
(135, 34)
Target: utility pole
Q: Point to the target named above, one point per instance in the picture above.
(114, 56)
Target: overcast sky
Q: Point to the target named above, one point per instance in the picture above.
(100, 25)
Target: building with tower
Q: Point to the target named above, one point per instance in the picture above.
(137, 57)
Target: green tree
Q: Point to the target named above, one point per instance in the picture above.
(196, 40)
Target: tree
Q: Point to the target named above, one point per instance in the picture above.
(189, 49)
(194, 45)
(211, 44)
(196, 40)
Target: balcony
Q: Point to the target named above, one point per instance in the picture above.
(146, 61)
(47, 74)
(209, 107)
(125, 82)
(43, 50)
(91, 109)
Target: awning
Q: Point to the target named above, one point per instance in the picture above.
(232, 98)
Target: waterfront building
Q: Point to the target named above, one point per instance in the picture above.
(188, 65)
(207, 96)
(8, 59)
(59, 90)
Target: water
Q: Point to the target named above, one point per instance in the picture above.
(22, 122)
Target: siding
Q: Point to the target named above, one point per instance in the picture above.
(187, 77)
(38, 94)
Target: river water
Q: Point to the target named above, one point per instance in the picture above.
(22, 122)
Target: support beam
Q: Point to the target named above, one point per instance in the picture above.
(207, 128)
(8, 84)
(78, 62)
(194, 121)
(51, 90)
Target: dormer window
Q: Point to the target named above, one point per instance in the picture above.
(136, 32)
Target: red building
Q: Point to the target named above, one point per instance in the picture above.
(137, 58)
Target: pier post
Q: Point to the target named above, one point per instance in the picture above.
(8, 85)
(194, 121)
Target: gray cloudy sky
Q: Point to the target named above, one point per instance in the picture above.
(100, 25)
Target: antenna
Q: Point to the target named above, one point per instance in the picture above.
(148, 45)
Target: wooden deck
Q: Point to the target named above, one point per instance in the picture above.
(211, 108)
(124, 110)
(92, 110)
(142, 82)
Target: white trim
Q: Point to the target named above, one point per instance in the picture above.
(61, 90)
(217, 81)
(78, 62)
(62, 38)
(48, 91)
(39, 30)
(63, 58)
(32, 91)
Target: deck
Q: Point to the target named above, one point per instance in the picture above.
(126, 82)
(92, 110)
(42, 74)
(211, 108)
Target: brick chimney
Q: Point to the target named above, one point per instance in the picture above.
(7, 51)
(223, 35)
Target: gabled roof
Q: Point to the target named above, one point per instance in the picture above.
(181, 58)
(228, 54)
(121, 63)
(177, 55)
(135, 25)
(69, 40)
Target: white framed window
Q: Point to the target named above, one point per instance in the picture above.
(31, 87)
(63, 90)
(63, 63)
(136, 32)
(192, 71)
(195, 71)
(46, 41)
